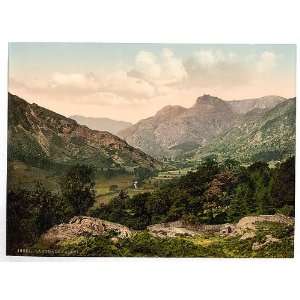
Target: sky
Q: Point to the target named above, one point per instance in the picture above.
(130, 82)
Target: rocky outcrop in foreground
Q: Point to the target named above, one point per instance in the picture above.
(179, 228)
(245, 228)
(83, 226)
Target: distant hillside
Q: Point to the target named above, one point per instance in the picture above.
(102, 124)
(262, 135)
(174, 128)
(244, 106)
(175, 131)
(45, 139)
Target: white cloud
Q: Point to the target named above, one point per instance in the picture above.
(266, 62)
(116, 87)
(75, 81)
(154, 77)
(146, 64)
(209, 68)
(159, 70)
(122, 84)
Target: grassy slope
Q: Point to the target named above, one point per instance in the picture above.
(21, 175)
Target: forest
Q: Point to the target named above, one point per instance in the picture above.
(215, 193)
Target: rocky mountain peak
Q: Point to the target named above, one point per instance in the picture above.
(208, 99)
(170, 111)
(208, 103)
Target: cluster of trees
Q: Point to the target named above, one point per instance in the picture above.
(216, 193)
(30, 213)
(142, 174)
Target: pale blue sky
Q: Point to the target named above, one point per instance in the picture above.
(133, 81)
(90, 56)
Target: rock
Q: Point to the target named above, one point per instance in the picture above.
(174, 128)
(227, 229)
(248, 235)
(249, 223)
(246, 227)
(83, 226)
(269, 240)
(115, 240)
(180, 228)
(171, 229)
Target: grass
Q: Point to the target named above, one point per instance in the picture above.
(233, 247)
(203, 245)
(21, 175)
(123, 182)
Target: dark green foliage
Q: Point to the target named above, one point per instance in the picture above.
(78, 188)
(142, 244)
(30, 213)
(283, 186)
(214, 194)
(143, 173)
(92, 246)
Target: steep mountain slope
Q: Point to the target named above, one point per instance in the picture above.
(102, 124)
(263, 135)
(175, 129)
(43, 138)
(266, 102)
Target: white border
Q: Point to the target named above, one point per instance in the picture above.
(146, 21)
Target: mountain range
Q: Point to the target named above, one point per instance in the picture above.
(176, 128)
(102, 124)
(246, 105)
(262, 134)
(43, 138)
(175, 131)
(254, 129)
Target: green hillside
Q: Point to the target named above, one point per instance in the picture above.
(262, 135)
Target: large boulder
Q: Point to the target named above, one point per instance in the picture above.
(83, 226)
(180, 228)
(246, 227)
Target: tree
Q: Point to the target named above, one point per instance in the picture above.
(30, 213)
(113, 188)
(142, 174)
(78, 187)
(50, 208)
(283, 185)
